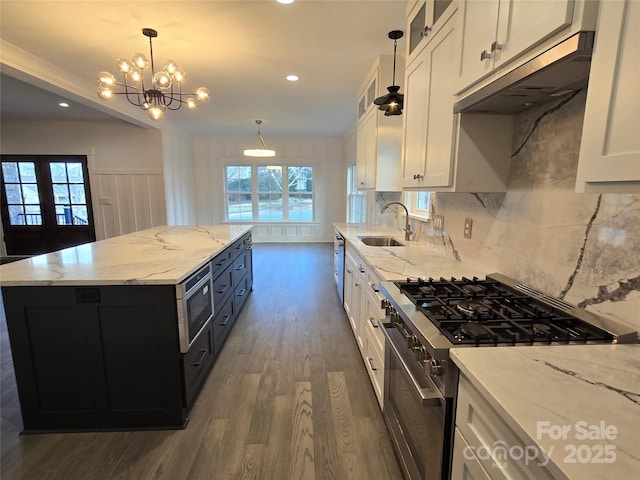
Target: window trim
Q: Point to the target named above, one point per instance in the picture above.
(255, 201)
(411, 200)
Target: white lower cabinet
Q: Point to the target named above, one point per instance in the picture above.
(363, 307)
(483, 441)
(609, 159)
(465, 465)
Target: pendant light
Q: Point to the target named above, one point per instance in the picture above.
(393, 102)
(261, 150)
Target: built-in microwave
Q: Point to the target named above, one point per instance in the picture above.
(195, 306)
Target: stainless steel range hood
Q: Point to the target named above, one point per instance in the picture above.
(552, 74)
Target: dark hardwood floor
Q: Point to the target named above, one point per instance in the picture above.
(288, 398)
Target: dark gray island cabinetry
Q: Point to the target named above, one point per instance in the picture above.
(107, 355)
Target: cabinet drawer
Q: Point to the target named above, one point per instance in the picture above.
(483, 427)
(222, 323)
(465, 463)
(222, 287)
(221, 261)
(196, 364)
(241, 244)
(241, 292)
(374, 362)
(240, 266)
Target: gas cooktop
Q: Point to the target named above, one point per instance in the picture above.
(498, 311)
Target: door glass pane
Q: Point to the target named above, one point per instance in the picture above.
(80, 215)
(74, 171)
(14, 193)
(10, 172)
(27, 172)
(22, 197)
(61, 193)
(63, 215)
(16, 215)
(58, 172)
(77, 194)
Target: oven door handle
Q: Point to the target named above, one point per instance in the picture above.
(428, 397)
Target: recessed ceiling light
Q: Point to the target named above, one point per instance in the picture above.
(293, 78)
(64, 104)
(285, 2)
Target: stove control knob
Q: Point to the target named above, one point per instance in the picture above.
(435, 367)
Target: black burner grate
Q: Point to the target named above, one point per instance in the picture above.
(485, 311)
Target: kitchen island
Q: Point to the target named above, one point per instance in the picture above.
(562, 412)
(95, 329)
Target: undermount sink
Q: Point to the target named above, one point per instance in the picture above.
(381, 242)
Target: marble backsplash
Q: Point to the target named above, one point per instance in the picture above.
(583, 248)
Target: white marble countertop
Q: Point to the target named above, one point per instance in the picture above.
(161, 255)
(410, 261)
(576, 387)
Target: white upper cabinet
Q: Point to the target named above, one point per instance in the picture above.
(379, 138)
(425, 17)
(443, 151)
(610, 147)
(495, 32)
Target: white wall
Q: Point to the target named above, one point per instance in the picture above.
(179, 178)
(125, 166)
(324, 154)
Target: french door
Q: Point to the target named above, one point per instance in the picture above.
(46, 203)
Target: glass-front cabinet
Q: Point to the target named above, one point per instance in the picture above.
(423, 16)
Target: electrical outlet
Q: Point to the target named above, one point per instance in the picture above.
(438, 223)
(468, 225)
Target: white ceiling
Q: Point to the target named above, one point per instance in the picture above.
(240, 50)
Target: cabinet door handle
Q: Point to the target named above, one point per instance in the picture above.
(496, 46)
(361, 270)
(349, 271)
(371, 364)
(374, 287)
(240, 267)
(373, 322)
(224, 289)
(204, 352)
(241, 292)
(417, 176)
(226, 320)
(424, 32)
(485, 56)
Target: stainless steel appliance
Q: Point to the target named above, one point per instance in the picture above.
(195, 306)
(426, 318)
(339, 263)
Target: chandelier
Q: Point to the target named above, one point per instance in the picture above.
(163, 92)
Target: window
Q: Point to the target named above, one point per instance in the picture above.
(258, 193)
(356, 199)
(419, 203)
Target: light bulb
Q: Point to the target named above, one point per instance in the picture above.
(170, 66)
(156, 113)
(136, 75)
(105, 79)
(162, 80)
(192, 103)
(203, 94)
(178, 75)
(124, 65)
(140, 61)
(105, 93)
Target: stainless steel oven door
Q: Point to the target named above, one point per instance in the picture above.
(417, 414)
(195, 308)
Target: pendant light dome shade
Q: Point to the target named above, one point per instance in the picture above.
(393, 102)
(261, 150)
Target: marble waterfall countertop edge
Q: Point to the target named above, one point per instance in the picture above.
(538, 390)
(163, 255)
(410, 261)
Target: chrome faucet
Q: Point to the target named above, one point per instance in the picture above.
(407, 227)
